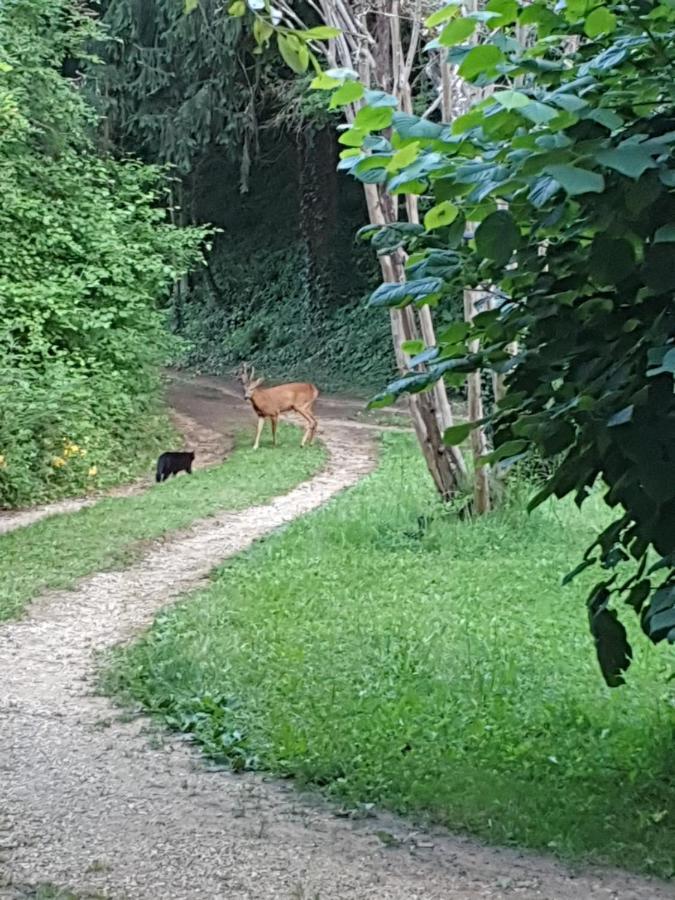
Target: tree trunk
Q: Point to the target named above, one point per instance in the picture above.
(479, 446)
(442, 467)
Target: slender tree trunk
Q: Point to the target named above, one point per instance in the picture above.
(441, 464)
(475, 414)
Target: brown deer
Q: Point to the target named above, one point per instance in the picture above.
(269, 403)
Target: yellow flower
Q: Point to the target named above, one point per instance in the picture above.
(71, 450)
(92, 471)
(58, 462)
(3, 462)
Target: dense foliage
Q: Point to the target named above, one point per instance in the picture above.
(172, 85)
(85, 255)
(567, 167)
(252, 155)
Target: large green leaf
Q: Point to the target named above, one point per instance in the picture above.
(349, 92)
(440, 215)
(409, 126)
(511, 99)
(457, 434)
(481, 60)
(442, 15)
(395, 294)
(293, 52)
(380, 98)
(629, 158)
(497, 237)
(507, 12)
(611, 644)
(373, 118)
(611, 259)
(456, 32)
(321, 33)
(354, 137)
(600, 21)
(575, 180)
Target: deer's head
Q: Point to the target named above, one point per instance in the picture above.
(246, 376)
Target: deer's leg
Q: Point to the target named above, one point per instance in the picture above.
(310, 430)
(261, 425)
(274, 421)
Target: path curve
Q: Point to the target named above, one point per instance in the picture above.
(87, 803)
(213, 445)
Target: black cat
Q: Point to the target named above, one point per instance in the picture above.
(173, 463)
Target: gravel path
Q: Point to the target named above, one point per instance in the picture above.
(111, 808)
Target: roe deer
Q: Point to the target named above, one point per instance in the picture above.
(269, 403)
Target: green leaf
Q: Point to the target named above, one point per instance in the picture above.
(605, 117)
(404, 157)
(409, 126)
(373, 118)
(497, 237)
(191, 5)
(352, 138)
(511, 99)
(293, 52)
(323, 82)
(380, 98)
(396, 294)
(622, 417)
(236, 9)
(440, 215)
(412, 347)
(665, 234)
(577, 571)
(457, 434)
(659, 617)
(611, 259)
(481, 60)
(507, 9)
(575, 180)
(321, 33)
(629, 159)
(456, 32)
(349, 92)
(659, 268)
(600, 21)
(539, 113)
(611, 644)
(342, 74)
(262, 31)
(442, 15)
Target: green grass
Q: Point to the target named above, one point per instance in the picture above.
(439, 671)
(55, 552)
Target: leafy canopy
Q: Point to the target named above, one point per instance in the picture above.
(563, 175)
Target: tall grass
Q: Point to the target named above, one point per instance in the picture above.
(390, 654)
(57, 551)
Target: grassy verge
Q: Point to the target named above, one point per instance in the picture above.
(440, 671)
(57, 551)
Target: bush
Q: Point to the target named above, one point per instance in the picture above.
(85, 254)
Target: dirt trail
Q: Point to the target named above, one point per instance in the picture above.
(206, 411)
(87, 802)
